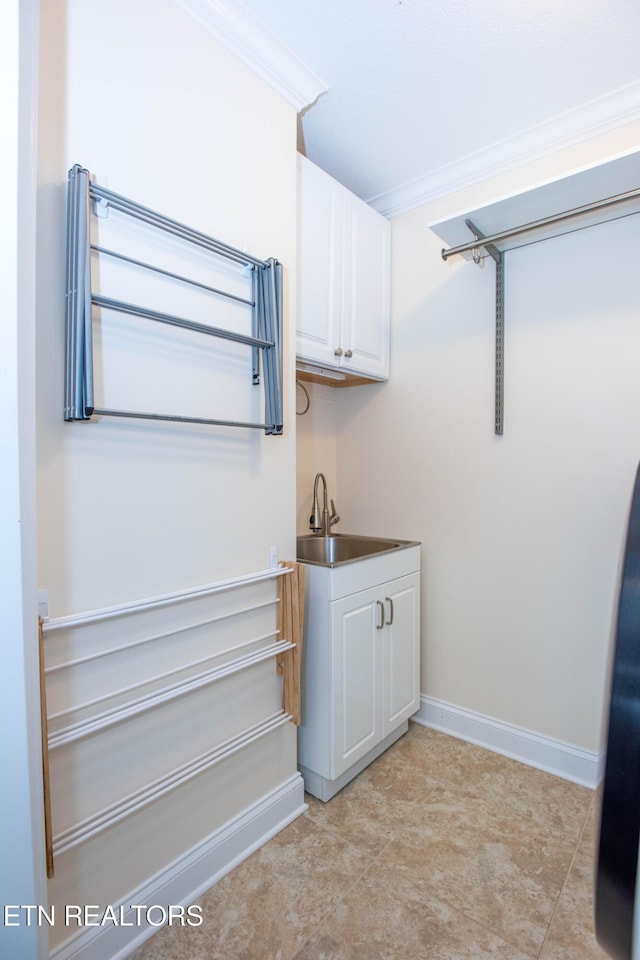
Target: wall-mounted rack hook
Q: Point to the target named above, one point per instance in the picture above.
(101, 207)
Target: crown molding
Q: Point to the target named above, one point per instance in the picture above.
(240, 32)
(595, 117)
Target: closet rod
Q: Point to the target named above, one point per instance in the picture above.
(537, 224)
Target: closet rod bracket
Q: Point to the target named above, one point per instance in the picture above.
(498, 258)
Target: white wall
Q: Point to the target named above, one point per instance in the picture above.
(22, 879)
(316, 449)
(141, 95)
(521, 534)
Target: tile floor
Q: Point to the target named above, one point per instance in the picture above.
(438, 851)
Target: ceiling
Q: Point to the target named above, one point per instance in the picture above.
(417, 85)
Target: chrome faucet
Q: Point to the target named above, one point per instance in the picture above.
(322, 522)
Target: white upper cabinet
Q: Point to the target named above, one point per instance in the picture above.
(343, 313)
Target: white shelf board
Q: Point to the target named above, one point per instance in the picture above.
(616, 176)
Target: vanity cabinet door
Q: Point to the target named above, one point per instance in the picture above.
(400, 651)
(357, 653)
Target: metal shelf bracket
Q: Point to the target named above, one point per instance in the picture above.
(498, 257)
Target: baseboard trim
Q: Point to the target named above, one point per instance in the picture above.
(183, 881)
(553, 756)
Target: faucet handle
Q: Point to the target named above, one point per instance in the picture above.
(334, 516)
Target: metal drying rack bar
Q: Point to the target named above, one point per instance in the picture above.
(265, 304)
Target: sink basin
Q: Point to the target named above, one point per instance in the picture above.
(344, 548)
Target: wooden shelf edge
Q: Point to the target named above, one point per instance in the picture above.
(350, 379)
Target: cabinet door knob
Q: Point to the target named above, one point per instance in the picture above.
(338, 352)
(381, 624)
(390, 602)
(348, 354)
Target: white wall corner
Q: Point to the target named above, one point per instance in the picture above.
(237, 29)
(599, 116)
(544, 753)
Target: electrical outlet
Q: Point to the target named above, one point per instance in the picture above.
(273, 557)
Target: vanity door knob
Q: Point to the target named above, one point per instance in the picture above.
(348, 354)
(338, 352)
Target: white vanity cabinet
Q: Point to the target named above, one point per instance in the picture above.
(361, 665)
(343, 306)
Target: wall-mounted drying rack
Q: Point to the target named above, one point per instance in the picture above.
(616, 181)
(264, 302)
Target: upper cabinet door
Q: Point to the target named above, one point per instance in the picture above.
(319, 294)
(365, 289)
(344, 269)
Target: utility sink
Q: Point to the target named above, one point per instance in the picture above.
(344, 548)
